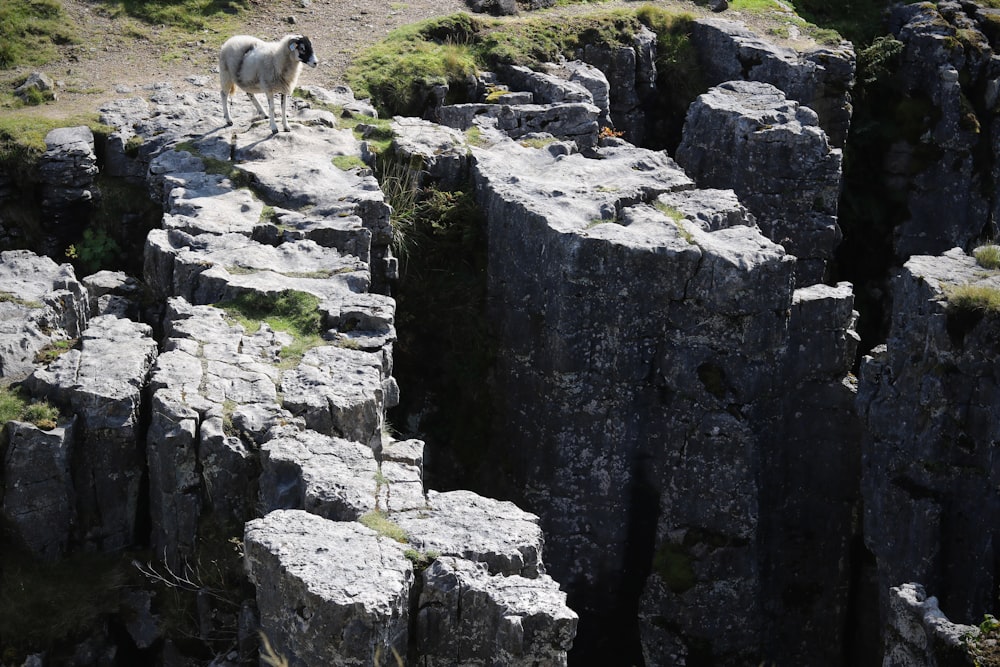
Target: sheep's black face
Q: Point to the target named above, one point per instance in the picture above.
(305, 50)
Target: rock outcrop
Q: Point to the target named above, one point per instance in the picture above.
(919, 634)
(928, 398)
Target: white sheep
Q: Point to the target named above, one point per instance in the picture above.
(257, 66)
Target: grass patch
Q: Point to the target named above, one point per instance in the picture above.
(384, 526)
(54, 350)
(187, 15)
(988, 256)
(348, 162)
(291, 311)
(15, 405)
(32, 29)
(968, 298)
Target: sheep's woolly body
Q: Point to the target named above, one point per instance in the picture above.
(257, 66)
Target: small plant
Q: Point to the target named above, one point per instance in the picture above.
(609, 133)
(96, 250)
(15, 405)
(984, 646)
(268, 655)
(384, 526)
(290, 311)
(988, 256)
(348, 162)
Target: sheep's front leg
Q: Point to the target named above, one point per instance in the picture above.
(270, 109)
(284, 113)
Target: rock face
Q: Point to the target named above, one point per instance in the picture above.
(820, 79)
(647, 453)
(102, 383)
(41, 302)
(749, 137)
(919, 634)
(929, 399)
(67, 170)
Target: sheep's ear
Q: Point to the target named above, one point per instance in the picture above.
(293, 46)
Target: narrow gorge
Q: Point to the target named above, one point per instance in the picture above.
(725, 395)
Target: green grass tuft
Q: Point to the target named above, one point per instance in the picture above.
(290, 311)
(15, 405)
(988, 256)
(967, 298)
(384, 526)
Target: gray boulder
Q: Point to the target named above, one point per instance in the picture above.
(329, 593)
(40, 302)
(482, 619)
(38, 501)
(919, 634)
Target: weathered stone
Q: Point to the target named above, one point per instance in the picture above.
(324, 475)
(329, 593)
(576, 121)
(464, 524)
(820, 79)
(919, 634)
(338, 391)
(113, 293)
(749, 137)
(40, 302)
(631, 75)
(103, 383)
(37, 83)
(38, 500)
(483, 619)
(442, 152)
(928, 399)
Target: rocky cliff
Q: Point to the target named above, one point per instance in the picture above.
(681, 467)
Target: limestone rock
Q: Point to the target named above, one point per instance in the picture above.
(329, 593)
(484, 619)
(103, 382)
(776, 159)
(40, 302)
(919, 634)
(38, 499)
(928, 401)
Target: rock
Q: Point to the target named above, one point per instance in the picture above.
(37, 84)
(67, 170)
(575, 121)
(928, 403)
(464, 611)
(442, 152)
(338, 391)
(40, 302)
(318, 599)
(778, 162)
(324, 475)
(113, 293)
(463, 524)
(631, 75)
(103, 382)
(919, 634)
(38, 499)
(820, 79)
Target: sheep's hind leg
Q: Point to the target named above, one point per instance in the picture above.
(256, 105)
(225, 108)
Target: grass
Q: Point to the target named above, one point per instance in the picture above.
(968, 298)
(32, 29)
(988, 256)
(290, 311)
(15, 405)
(187, 15)
(384, 526)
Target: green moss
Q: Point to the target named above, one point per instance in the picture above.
(672, 563)
(290, 311)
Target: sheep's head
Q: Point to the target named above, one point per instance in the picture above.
(301, 45)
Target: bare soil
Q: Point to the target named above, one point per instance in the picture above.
(118, 56)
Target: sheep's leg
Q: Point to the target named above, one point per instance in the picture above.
(284, 113)
(225, 108)
(270, 109)
(257, 106)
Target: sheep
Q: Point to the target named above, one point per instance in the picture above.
(257, 66)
